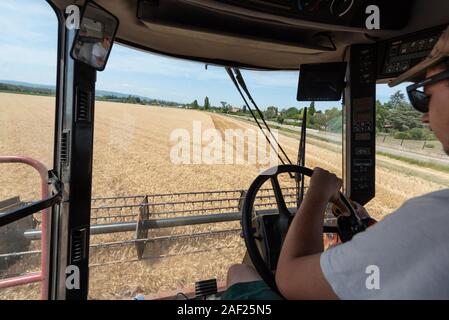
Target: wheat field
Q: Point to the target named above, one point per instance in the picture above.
(132, 156)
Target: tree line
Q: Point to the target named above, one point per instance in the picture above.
(399, 119)
(396, 118)
(110, 98)
(327, 120)
(26, 90)
(137, 100)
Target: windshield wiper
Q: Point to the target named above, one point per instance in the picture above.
(237, 79)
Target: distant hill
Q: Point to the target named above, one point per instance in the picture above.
(26, 88)
(98, 93)
(27, 84)
(42, 89)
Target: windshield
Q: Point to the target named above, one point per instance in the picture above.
(175, 149)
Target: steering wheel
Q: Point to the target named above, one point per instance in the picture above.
(347, 225)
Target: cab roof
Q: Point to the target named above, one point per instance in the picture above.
(248, 37)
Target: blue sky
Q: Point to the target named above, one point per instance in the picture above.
(28, 53)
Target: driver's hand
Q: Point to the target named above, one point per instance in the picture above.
(327, 184)
(360, 210)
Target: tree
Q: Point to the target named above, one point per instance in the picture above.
(418, 134)
(399, 114)
(271, 112)
(381, 116)
(397, 100)
(244, 108)
(291, 113)
(311, 111)
(225, 107)
(206, 103)
(335, 124)
(319, 121)
(195, 105)
(280, 119)
(398, 117)
(301, 114)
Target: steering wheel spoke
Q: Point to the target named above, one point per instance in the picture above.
(280, 201)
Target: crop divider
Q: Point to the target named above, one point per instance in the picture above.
(141, 230)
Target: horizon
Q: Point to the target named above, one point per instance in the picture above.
(28, 54)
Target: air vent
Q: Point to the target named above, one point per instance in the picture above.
(205, 288)
(65, 148)
(78, 245)
(83, 105)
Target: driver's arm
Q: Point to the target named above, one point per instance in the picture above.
(299, 274)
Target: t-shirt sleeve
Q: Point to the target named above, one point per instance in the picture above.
(344, 268)
(98, 51)
(404, 256)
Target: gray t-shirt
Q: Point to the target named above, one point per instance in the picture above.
(404, 256)
(98, 52)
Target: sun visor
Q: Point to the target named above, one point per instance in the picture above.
(207, 27)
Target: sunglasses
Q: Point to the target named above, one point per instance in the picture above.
(418, 99)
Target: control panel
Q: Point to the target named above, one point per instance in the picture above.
(351, 13)
(360, 124)
(399, 55)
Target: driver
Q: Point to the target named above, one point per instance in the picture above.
(404, 256)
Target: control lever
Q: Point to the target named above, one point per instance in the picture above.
(348, 221)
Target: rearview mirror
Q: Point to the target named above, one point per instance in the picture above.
(94, 39)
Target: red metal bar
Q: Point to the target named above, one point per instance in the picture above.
(42, 276)
(16, 281)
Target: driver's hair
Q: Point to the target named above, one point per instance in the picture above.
(444, 64)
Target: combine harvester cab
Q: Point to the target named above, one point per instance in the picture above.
(341, 48)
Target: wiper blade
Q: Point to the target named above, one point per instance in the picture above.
(237, 79)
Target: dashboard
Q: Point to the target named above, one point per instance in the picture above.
(350, 13)
(398, 55)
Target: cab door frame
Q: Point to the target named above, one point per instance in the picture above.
(73, 157)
